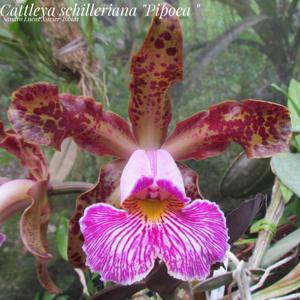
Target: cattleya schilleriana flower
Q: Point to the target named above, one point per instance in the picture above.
(153, 208)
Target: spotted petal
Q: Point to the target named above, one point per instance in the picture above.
(123, 246)
(41, 115)
(30, 155)
(261, 128)
(105, 190)
(154, 68)
(95, 130)
(36, 114)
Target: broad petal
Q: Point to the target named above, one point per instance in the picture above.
(147, 168)
(122, 246)
(30, 155)
(13, 197)
(2, 238)
(41, 115)
(261, 128)
(36, 114)
(98, 131)
(105, 190)
(117, 244)
(190, 180)
(154, 68)
(193, 239)
(31, 220)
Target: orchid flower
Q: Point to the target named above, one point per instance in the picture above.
(29, 194)
(157, 222)
(153, 208)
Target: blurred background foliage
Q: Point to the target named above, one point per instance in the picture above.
(234, 49)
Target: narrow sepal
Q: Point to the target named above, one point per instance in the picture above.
(42, 265)
(44, 278)
(32, 218)
(154, 68)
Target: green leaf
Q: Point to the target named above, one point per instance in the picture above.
(280, 248)
(213, 282)
(296, 129)
(99, 53)
(48, 296)
(236, 184)
(287, 194)
(102, 38)
(5, 157)
(89, 279)
(294, 94)
(284, 286)
(294, 106)
(293, 97)
(279, 89)
(87, 25)
(297, 207)
(286, 166)
(37, 296)
(62, 237)
(245, 242)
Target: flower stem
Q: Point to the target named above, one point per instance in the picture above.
(273, 215)
(69, 187)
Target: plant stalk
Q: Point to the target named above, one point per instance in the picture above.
(69, 187)
(273, 215)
